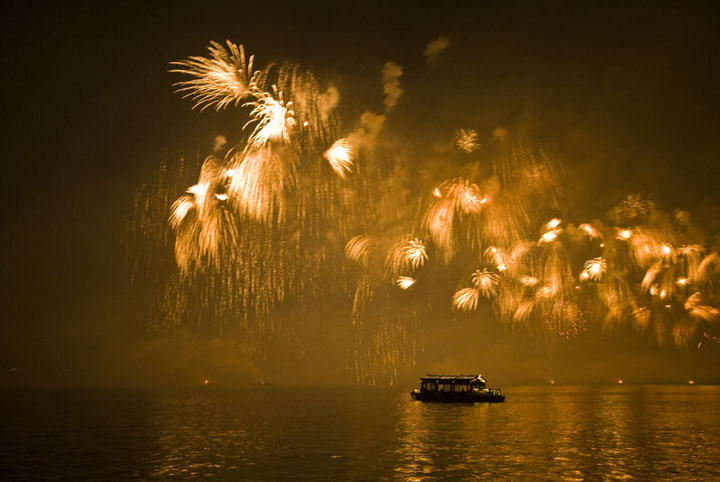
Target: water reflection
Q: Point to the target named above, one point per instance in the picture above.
(565, 433)
(275, 433)
(192, 440)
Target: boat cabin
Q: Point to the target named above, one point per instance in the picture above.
(454, 383)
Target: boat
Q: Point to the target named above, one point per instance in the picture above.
(457, 389)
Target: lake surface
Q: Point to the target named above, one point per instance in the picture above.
(275, 433)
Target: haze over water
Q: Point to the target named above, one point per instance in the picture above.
(282, 433)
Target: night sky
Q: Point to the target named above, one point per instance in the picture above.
(625, 94)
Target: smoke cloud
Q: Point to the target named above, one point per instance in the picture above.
(370, 127)
(329, 100)
(391, 84)
(434, 48)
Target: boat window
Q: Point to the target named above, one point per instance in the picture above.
(429, 385)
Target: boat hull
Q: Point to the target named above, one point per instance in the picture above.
(456, 397)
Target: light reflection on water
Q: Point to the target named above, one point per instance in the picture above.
(568, 433)
(261, 433)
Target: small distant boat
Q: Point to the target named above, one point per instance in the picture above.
(456, 388)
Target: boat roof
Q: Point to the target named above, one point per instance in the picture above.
(454, 378)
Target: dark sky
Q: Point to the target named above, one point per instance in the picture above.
(626, 94)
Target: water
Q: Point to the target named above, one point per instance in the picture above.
(276, 433)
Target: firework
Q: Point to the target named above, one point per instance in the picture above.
(524, 311)
(201, 220)
(467, 140)
(341, 157)
(528, 281)
(549, 236)
(273, 118)
(697, 309)
(591, 231)
(594, 269)
(498, 257)
(453, 200)
(221, 80)
(414, 253)
(691, 256)
(262, 230)
(553, 224)
(466, 299)
(358, 249)
(624, 234)
(439, 223)
(259, 182)
(486, 282)
(405, 282)
(565, 319)
(709, 272)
